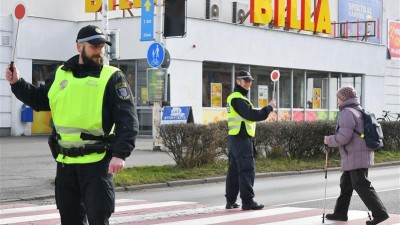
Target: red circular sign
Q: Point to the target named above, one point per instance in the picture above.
(275, 75)
(19, 11)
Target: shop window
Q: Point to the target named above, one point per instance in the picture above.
(284, 89)
(353, 80)
(298, 89)
(217, 84)
(138, 84)
(334, 86)
(317, 90)
(41, 70)
(261, 90)
(128, 68)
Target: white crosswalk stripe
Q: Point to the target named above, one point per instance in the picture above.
(142, 212)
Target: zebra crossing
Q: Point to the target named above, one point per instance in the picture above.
(142, 212)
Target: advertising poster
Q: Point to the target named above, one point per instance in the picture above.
(143, 94)
(156, 84)
(216, 94)
(262, 96)
(361, 10)
(394, 39)
(316, 98)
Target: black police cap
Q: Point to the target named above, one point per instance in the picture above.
(93, 35)
(245, 75)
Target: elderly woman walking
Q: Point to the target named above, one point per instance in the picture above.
(356, 158)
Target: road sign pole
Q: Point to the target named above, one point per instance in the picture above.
(273, 91)
(104, 20)
(157, 105)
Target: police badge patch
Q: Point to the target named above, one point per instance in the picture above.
(122, 91)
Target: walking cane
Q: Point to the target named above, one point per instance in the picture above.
(326, 181)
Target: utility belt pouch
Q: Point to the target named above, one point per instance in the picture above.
(52, 141)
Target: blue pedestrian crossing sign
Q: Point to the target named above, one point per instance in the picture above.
(155, 55)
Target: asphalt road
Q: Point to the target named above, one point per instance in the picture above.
(303, 190)
(27, 170)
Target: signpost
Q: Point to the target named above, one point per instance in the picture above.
(147, 21)
(19, 14)
(179, 114)
(155, 55)
(275, 74)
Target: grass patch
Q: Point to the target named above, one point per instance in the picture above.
(162, 174)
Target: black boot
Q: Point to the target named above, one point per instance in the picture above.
(252, 206)
(377, 220)
(338, 217)
(232, 205)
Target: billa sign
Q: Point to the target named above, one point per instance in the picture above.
(95, 5)
(261, 12)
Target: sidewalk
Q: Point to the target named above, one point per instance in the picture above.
(27, 169)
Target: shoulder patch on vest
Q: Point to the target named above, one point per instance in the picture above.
(122, 91)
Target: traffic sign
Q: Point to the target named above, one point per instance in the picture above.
(155, 55)
(19, 11)
(275, 75)
(147, 21)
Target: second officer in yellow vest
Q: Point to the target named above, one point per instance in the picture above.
(242, 117)
(86, 99)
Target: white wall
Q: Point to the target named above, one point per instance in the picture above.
(5, 58)
(392, 67)
(186, 85)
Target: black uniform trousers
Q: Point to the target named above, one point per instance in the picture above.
(85, 193)
(358, 180)
(241, 172)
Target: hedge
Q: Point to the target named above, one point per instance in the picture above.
(192, 145)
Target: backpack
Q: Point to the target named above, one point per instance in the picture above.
(373, 134)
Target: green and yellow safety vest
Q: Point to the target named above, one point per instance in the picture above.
(77, 107)
(235, 120)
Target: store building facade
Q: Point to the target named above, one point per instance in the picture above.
(204, 62)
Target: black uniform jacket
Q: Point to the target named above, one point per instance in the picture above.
(244, 109)
(116, 108)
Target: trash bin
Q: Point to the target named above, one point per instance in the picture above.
(26, 114)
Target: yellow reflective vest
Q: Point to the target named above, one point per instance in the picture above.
(235, 120)
(76, 106)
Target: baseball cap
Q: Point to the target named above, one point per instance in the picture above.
(93, 35)
(245, 75)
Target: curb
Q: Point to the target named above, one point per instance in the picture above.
(202, 181)
(222, 178)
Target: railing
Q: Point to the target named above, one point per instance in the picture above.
(355, 29)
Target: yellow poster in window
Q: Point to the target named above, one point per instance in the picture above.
(144, 95)
(316, 98)
(262, 95)
(216, 94)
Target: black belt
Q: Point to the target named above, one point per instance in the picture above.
(84, 150)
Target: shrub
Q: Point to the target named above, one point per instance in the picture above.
(293, 139)
(190, 145)
(391, 135)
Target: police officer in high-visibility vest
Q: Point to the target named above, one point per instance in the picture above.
(95, 126)
(242, 117)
